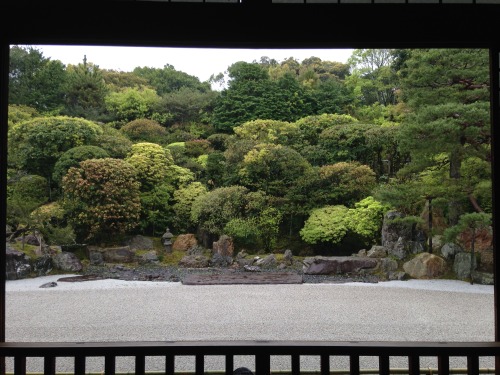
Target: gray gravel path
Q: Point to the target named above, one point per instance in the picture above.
(117, 310)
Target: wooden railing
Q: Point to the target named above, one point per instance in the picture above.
(261, 351)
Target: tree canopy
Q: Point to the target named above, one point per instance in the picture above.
(306, 153)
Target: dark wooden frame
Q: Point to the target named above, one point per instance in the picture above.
(260, 350)
(250, 24)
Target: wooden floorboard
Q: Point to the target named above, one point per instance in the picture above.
(244, 278)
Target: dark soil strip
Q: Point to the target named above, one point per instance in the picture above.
(81, 278)
(243, 278)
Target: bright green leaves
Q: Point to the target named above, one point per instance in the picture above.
(35, 145)
(332, 224)
(151, 161)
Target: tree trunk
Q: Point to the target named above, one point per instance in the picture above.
(472, 254)
(474, 203)
(454, 206)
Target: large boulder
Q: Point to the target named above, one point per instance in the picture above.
(220, 261)
(224, 246)
(267, 262)
(29, 239)
(149, 257)
(462, 265)
(242, 260)
(450, 249)
(483, 239)
(338, 265)
(68, 262)
(122, 254)
(377, 252)
(42, 265)
(288, 258)
(437, 243)
(95, 257)
(194, 261)
(140, 243)
(387, 269)
(195, 250)
(400, 238)
(486, 261)
(425, 266)
(483, 278)
(17, 264)
(183, 242)
(388, 265)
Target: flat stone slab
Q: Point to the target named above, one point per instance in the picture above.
(243, 278)
(81, 278)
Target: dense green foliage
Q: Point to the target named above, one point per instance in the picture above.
(29, 187)
(85, 92)
(101, 198)
(332, 224)
(272, 169)
(37, 144)
(212, 211)
(446, 93)
(35, 80)
(310, 154)
(151, 162)
(144, 130)
(73, 157)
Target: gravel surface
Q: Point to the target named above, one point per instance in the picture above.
(124, 310)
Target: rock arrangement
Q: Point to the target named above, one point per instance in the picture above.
(401, 255)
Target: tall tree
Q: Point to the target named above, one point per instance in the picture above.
(372, 76)
(85, 91)
(184, 198)
(447, 91)
(331, 96)
(242, 100)
(469, 225)
(117, 80)
(348, 142)
(187, 105)
(153, 165)
(341, 183)
(20, 113)
(253, 95)
(35, 80)
(132, 103)
(169, 80)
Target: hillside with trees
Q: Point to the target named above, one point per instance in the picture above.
(303, 155)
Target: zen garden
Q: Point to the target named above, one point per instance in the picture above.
(378, 167)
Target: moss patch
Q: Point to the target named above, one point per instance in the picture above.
(171, 259)
(29, 250)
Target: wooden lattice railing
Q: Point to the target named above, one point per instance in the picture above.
(260, 350)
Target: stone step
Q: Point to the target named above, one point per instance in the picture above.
(244, 278)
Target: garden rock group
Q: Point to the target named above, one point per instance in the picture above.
(402, 254)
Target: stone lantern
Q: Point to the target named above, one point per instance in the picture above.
(166, 240)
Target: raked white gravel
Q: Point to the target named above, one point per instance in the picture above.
(117, 310)
(438, 285)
